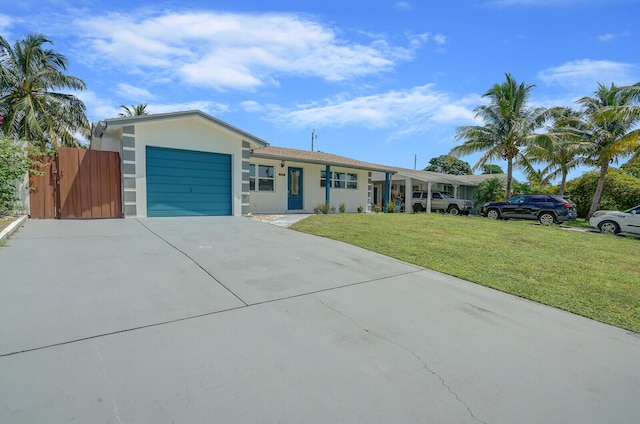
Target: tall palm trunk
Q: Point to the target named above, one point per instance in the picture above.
(509, 177)
(599, 188)
(563, 182)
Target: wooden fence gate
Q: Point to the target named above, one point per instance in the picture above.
(77, 183)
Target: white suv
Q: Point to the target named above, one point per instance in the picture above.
(440, 201)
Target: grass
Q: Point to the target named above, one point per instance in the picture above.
(578, 223)
(5, 221)
(593, 275)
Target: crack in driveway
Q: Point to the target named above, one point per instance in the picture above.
(414, 354)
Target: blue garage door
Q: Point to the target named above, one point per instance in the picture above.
(187, 183)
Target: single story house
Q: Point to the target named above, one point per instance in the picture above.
(405, 181)
(190, 163)
(290, 180)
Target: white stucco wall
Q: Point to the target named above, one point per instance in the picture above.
(266, 202)
(191, 133)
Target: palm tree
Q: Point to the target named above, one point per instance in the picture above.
(32, 109)
(135, 110)
(610, 119)
(560, 147)
(536, 177)
(508, 121)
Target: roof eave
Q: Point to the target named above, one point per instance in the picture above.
(115, 123)
(321, 162)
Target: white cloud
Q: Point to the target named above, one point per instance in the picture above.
(232, 50)
(251, 106)
(212, 108)
(99, 108)
(439, 39)
(417, 40)
(5, 22)
(405, 112)
(586, 73)
(460, 112)
(606, 37)
(612, 37)
(403, 5)
(133, 93)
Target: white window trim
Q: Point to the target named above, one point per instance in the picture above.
(345, 181)
(256, 178)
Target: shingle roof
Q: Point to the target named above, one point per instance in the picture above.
(321, 158)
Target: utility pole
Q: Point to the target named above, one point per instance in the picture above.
(415, 161)
(313, 137)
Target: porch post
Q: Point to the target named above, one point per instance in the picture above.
(387, 191)
(327, 186)
(455, 191)
(408, 195)
(429, 198)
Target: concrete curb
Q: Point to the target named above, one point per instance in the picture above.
(12, 228)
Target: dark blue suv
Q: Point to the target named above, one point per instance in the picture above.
(546, 208)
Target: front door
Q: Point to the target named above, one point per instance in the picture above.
(295, 189)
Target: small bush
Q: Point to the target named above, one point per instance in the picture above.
(391, 207)
(14, 164)
(377, 208)
(360, 209)
(342, 207)
(323, 208)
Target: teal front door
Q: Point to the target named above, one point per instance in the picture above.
(295, 189)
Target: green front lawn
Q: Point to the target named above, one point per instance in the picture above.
(594, 275)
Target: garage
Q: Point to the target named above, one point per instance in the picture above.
(187, 182)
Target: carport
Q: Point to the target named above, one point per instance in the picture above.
(405, 181)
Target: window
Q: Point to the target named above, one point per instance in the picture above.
(339, 180)
(323, 179)
(352, 181)
(265, 178)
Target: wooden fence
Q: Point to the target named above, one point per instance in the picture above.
(77, 183)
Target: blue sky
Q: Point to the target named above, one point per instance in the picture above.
(379, 81)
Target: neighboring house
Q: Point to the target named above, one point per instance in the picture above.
(179, 164)
(289, 180)
(405, 181)
(190, 163)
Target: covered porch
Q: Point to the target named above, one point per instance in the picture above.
(401, 184)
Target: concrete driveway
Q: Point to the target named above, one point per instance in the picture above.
(192, 320)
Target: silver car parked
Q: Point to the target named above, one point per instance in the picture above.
(615, 222)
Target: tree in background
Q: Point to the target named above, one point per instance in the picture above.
(632, 169)
(490, 190)
(34, 109)
(508, 121)
(448, 164)
(490, 168)
(135, 110)
(610, 121)
(621, 191)
(559, 147)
